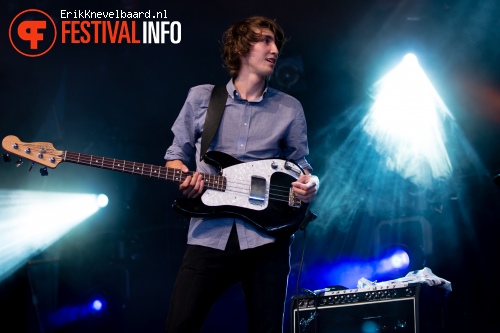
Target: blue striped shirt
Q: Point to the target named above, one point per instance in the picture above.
(271, 126)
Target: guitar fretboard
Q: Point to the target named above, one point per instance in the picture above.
(214, 182)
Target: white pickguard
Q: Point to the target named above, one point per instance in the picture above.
(239, 179)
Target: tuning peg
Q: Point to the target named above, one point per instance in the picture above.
(19, 162)
(6, 157)
(44, 172)
(31, 166)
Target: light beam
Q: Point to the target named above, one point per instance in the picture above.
(32, 221)
(406, 124)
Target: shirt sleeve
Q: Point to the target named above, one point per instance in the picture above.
(296, 146)
(186, 128)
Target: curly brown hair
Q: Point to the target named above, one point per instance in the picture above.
(238, 39)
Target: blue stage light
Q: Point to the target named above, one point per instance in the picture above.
(98, 303)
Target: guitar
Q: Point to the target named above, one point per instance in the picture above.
(258, 192)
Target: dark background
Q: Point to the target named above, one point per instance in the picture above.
(120, 101)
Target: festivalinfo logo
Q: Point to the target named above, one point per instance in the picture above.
(33, 32)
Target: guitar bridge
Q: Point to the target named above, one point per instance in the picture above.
(293, 200)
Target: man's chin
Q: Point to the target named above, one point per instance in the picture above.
(269, 73)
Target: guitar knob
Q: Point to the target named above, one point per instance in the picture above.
(274, 165)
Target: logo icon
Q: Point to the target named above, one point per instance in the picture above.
(32, 33)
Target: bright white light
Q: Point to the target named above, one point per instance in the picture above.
(396, 261)
(102, 200)
(400, 259)
(348, 272)
(406, 123)
(97, 305)
(32, 221)
(73, 313)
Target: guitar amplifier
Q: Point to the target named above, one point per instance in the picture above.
(402, 308)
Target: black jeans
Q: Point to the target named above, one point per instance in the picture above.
(206, 273)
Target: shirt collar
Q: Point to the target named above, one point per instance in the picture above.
(234, 93)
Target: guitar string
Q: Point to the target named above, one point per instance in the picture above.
(275, 191)
(157, 171)
(273, 195)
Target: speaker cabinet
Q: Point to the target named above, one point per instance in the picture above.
(399, 308)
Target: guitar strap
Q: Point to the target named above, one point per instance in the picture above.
(215, 109)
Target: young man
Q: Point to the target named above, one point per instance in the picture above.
(258, 123)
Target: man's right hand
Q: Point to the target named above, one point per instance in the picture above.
(192, 186)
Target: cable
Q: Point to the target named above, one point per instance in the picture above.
(297, 320)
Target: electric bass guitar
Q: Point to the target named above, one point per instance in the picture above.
(258, 192)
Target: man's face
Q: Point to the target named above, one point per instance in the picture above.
(262, 56)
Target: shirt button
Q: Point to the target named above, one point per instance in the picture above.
(245, 124)
(241, 145)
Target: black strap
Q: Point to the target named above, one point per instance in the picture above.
(214, 114)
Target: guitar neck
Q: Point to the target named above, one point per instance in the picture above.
(214, 182)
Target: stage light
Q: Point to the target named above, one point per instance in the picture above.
(32, 221)
(393, 261)
(289, 74)
(391, 264)
(98, 304)
(400, 259)
(406, 124)
(102, 200)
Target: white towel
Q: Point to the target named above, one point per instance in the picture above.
(424, 275)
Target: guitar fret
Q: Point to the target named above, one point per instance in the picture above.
(129, 167)
(212, 181)
(175, 176)
(138, 168)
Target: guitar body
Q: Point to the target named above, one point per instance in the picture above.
(271, 213)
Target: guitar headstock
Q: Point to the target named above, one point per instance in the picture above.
(42, 153)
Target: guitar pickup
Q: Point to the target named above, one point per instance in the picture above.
(257, 191)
